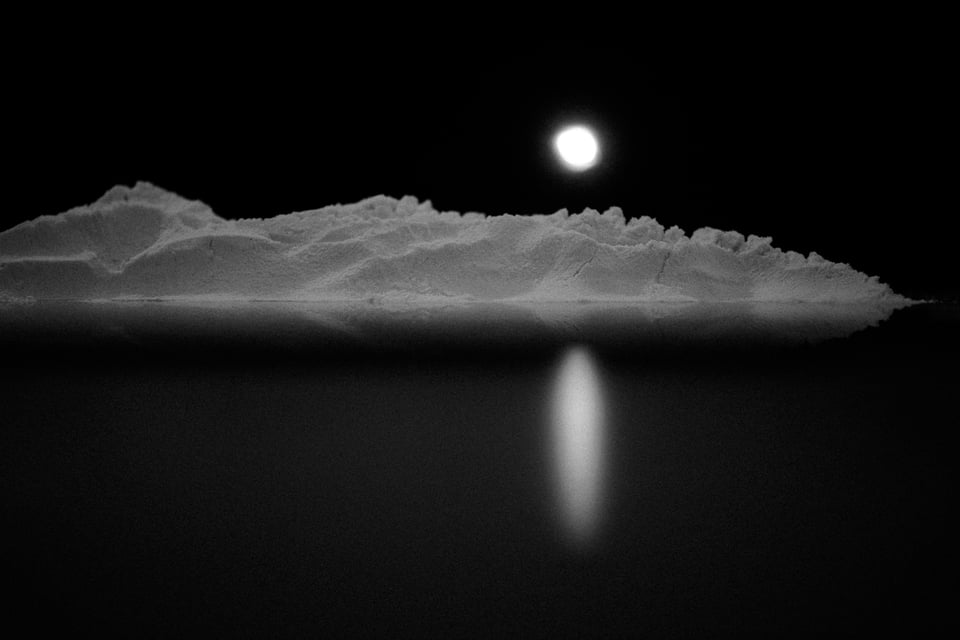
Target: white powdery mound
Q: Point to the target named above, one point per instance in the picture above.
(147, 242)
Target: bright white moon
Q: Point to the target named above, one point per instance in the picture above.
(577, 147)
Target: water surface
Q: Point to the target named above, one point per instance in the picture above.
(561, 487)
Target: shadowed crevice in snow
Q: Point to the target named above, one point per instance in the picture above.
(585, 263)
(663, 266)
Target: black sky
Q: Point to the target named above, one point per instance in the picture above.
(829, 139)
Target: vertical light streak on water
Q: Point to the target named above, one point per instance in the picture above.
(577, 433)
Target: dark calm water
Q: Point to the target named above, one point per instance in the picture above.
(516, 487)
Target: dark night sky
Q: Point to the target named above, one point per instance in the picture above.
(828, 139)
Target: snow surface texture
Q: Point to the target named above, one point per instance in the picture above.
(144, 242)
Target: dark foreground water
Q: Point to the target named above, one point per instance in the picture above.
(485, 488)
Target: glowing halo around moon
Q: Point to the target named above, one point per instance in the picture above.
(577, 147)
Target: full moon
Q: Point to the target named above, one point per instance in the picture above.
(577, 147)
